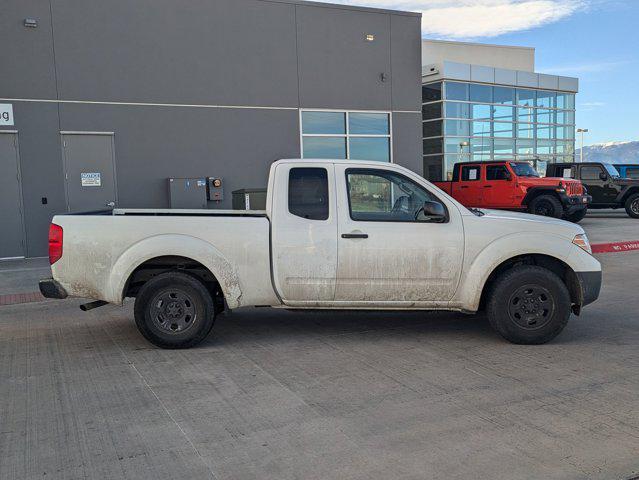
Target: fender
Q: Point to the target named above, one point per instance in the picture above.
(626, 192)
(174, 245)
(505, 248)
(533, 191)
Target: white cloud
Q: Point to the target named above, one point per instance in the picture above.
(458, 19)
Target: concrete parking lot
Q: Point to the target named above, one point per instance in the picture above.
(326, 395)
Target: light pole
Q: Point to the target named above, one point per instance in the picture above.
(461, 147)
(581, 150)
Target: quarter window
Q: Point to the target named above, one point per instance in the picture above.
(308, 193)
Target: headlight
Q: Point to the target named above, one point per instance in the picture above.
(582, 242)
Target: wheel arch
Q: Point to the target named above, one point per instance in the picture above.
(535, 192)
(627, 194)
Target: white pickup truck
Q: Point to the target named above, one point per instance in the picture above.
(335, 235)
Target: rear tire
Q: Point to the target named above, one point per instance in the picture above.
(174, 310)
(547, 206)
(528, 305)
(632, 205)
(577, 216)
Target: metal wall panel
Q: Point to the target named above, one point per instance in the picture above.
(407, 141)
(406, 62)
(11, 239)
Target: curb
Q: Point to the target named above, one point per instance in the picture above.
(615, 247)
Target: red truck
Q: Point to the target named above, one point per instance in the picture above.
(512, 185)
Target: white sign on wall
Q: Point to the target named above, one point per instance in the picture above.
(91, 179)
(6, 114)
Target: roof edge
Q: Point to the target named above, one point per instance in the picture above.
(340, 6)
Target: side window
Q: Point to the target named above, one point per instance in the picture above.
(496, 172)
(632, 172)
(384, 196)
(308, 193)
(470, 173)
(590, 173)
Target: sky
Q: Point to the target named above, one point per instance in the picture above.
(594, 40)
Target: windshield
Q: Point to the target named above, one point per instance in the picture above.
(612, 171)
(524, 169)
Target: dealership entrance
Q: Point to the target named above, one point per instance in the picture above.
(12, 238)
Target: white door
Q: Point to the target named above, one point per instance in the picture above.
(389, 253)
(304, 240)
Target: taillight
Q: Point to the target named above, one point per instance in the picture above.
(55, 243)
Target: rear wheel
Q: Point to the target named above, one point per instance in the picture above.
(547, 206)
(174, 310)
(577, 216)
(632, 205)
(528, 305)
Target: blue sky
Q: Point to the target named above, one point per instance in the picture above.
(595, 40)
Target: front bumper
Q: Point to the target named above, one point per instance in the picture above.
(50, 288)
(590, 286)
(574, 203)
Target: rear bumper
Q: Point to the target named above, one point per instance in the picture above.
(590, 285)
(50, 288)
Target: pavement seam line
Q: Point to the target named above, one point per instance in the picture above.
(166, 410)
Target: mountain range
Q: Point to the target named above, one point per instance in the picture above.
(611, 152)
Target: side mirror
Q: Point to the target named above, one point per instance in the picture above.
(432, 212)
(603, 176)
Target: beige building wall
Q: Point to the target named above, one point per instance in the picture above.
(497, 56)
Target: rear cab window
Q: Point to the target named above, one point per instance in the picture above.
(308, 193)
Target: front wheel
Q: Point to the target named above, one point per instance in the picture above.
(528, 305)
(547, 206)
(632, 206)
(577, 216)
(174, 310)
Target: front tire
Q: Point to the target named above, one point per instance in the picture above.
(632, 205)
(547, 206)
(577, 216)
(174, 310)
(528, 305)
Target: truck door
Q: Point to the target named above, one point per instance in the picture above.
(598, 183)
(499, 186)
(466, 186)
(387, 256)
(304, 234)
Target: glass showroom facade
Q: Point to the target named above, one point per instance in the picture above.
(478, 122)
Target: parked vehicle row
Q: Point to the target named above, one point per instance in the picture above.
(335, 235)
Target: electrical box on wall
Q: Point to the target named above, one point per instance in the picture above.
(215, 189)
(187, 192)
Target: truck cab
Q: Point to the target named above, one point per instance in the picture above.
(513, 185)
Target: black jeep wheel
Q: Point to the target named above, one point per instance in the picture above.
(577, 216)
(174, 310)
(632, 205)
(547, 206)
(528, 305)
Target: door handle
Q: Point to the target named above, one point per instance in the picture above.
(354, 235)
(463, 186)
(110, 204)
(488, 186)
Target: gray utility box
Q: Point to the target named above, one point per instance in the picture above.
(249, 199)
(187, 193)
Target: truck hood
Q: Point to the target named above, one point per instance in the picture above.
(525, 222)
(545, 181)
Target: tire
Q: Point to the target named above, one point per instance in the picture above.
(528, 305)
(632, 205)
(174, 310)
(577, 216)
(547, 206)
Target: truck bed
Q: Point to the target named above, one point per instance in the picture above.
(188, 212)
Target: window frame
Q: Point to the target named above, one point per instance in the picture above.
(347, 135)
(367, 171)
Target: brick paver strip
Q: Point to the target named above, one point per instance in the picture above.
(16, 298)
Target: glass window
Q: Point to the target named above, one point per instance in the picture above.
(431, 92)
(432, 128)
(525, 147)
(325, 147)
(470, 173)
(481, 93)
(368, 123)
(456, 91)
(523, 169)
(526, 97)
(526, 114)
(545, 147)
(457, 110)
(570, 132)
(481, 129)
(456, 145)
(546, 99)
(308, 193)
(450, 161)
(378, 195)
(433, 167)
(545, 116)
(370, 148)
(504, 130)
(570, 118)
(612, 171)
(561, 100)
(503, 114)
(432, 145)
(432, 111)
(590, 172)
(632, 172)
(479, 111)
(525, 130)
(504, 147)
(545, 131)
(496, 172)
(504, 95)
(565, 148)
(481, 148)
(457, 127)
(323, 123)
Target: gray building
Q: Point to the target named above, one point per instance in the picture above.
(102, 102)
(486, 102)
